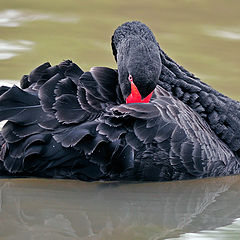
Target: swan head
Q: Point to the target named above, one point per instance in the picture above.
(138, 59)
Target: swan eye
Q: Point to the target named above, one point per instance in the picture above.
(130, 78)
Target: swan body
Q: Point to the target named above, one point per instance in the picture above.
(66, 123)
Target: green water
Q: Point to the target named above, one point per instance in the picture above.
(201, 35)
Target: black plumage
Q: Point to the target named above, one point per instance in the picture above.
(66, 123)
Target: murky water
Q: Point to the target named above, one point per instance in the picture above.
(58, 209)
(203, 36)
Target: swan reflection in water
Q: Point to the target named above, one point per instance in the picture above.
(67, 209)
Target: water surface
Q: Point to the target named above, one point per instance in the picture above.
(61, 209)
(201, 35)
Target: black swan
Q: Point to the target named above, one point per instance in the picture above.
(150, 120)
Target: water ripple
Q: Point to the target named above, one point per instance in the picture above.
(14, 18)
(9, 49)
(231, 34)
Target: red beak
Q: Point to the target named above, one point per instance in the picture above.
(135, 96)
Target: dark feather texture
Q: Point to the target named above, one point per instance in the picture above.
(19, 106)
(66, 123)
(220, 112)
